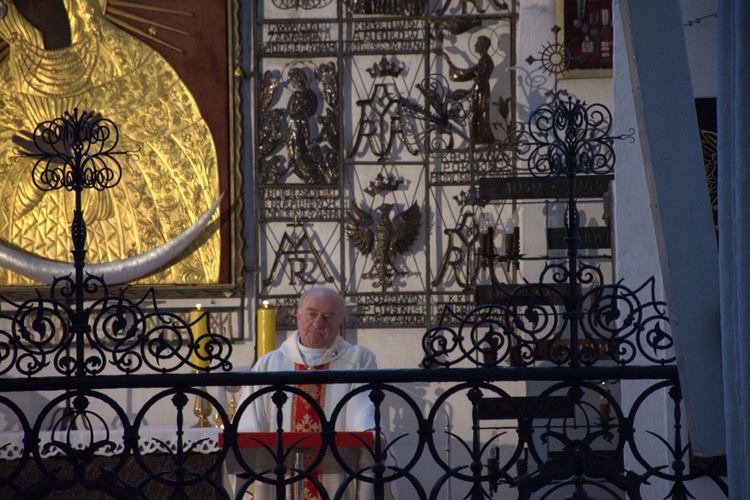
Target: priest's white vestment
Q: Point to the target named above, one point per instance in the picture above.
(357, 415)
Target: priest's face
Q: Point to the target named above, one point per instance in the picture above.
(319, 318)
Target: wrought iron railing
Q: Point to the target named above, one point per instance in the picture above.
(574, 438)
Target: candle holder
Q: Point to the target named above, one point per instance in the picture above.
(232, 390)
(200, 360)
(522, 465)
(202, 410)
(512, 242)
(487, 252)
(512, 248)
(493, 468)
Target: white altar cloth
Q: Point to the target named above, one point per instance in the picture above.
(152, 439)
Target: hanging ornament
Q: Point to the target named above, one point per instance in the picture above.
(580, 12)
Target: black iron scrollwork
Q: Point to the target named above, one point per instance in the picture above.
(80, 327)
(74, 152)
(568, 317)
(567, 137)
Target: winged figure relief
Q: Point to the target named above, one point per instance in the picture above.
(384, 240)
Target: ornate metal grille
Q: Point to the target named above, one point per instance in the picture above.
(350, 191)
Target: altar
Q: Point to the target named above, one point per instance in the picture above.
(303, 453)
(93, 453)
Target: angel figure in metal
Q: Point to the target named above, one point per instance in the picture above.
(313, 163)
(386, 240)
(480, 128)
(302, 105)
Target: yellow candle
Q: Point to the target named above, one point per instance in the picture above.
(266, 341)
(199, 327)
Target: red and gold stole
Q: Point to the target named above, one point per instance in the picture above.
(305, 419)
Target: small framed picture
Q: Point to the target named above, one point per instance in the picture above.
(587, 32)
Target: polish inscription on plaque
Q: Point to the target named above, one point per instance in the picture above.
(387, 37)
(395, 309)
(298, 38)
(455, 167)
(299, 203)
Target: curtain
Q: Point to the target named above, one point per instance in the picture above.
(733, 113)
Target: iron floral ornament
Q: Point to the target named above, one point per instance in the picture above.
(75, 152)
(385, 240)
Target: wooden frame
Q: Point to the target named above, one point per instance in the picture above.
(208, 63)
(587, 32)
